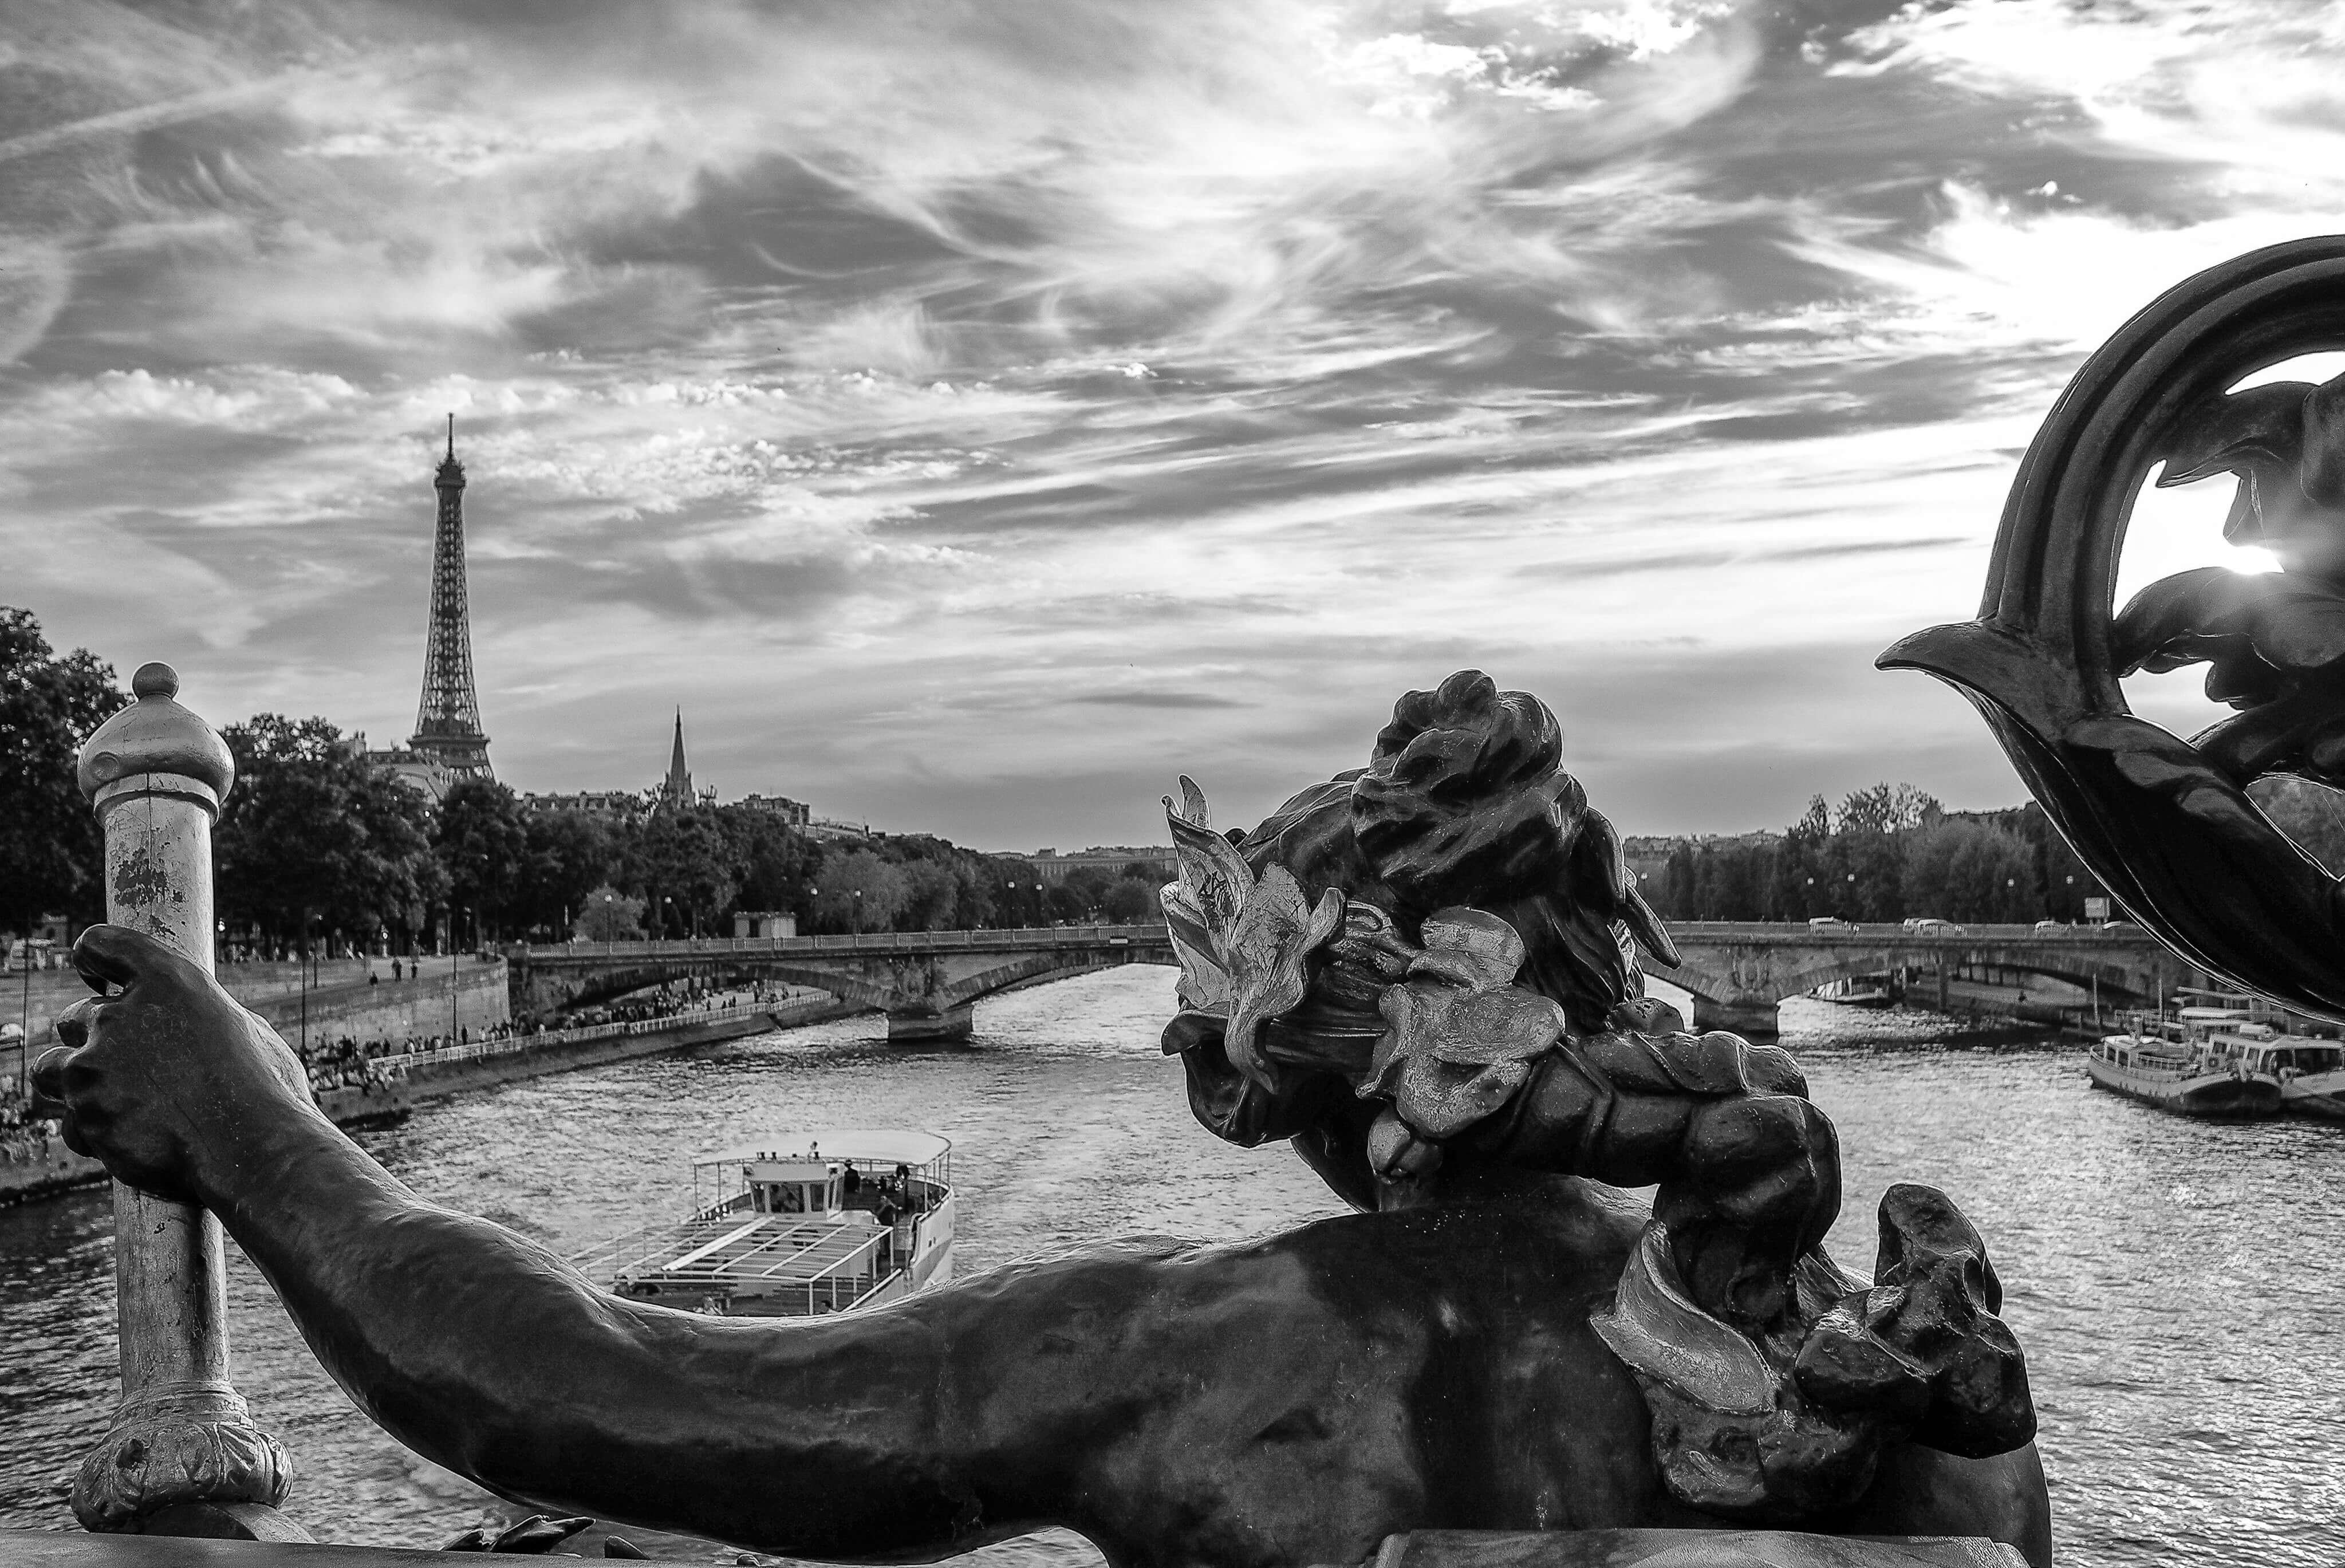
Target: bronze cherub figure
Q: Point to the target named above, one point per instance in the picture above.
(1425, 974)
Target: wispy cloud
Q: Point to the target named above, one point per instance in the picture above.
(974, 414)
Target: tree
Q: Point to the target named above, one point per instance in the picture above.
(568, 860)
(685, 866)
(776, 863)
(484, 849)
(1087, 886)
(1887, 809)
(52, 856)
(931, 896)
(882, 886)
(1133, 898)
(606, 914)
(1971, 869)
(313, 832)
(1677, 889)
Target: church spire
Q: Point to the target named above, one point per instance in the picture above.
(678, 787)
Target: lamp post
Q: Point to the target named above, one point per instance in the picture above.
(305, 985)
(25, 1014)
(455, 980)
(183, 1456)
(858, 912)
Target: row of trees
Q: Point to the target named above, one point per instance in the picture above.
(315, 841)
(314, 844)
(1891, 851)
(1888, 853)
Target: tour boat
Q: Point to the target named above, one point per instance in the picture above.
(2178, 1076)
(798, 1225)
(1857, 991)
(2310, 1073)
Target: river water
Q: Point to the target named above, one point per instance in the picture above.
(2178, 1285)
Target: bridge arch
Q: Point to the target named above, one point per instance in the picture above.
(927, 984)
(1737, 974)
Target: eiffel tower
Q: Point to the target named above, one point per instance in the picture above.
(448, 719)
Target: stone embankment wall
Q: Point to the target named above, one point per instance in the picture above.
(37, 997)
(394, 1009)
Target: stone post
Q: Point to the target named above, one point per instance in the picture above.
(183, 1456)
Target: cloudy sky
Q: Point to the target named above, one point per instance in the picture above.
(973, 413)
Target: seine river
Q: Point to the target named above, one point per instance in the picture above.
(2178, 1286)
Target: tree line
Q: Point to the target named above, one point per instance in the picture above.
(1893, 852)
(1890, 852)
(316, 847)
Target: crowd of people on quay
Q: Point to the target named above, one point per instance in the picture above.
(346, 1062)
(25, 1138)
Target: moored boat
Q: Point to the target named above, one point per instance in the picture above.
(798, 1225)
(2310, 1073)
(2176, 1076)
(1857, 991)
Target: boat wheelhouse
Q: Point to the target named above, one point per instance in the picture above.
(798, 1225)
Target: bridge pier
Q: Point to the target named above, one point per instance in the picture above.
(952, 1023)
(1753, 1019)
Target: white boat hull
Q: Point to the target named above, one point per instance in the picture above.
(2315, 1095)
(2212, 1094)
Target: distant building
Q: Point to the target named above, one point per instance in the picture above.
(1648, 857)
(604, 805)
(830, 829)
(675, 789)
(1052, 867)
(795, 813)
(764, 922)
(419, 770)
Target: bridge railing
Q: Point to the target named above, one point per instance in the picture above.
(889, 944)
(1874, 933)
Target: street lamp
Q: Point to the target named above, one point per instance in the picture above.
(456, 982)
(858, 912)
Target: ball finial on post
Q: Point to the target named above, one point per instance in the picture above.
(183, 1456)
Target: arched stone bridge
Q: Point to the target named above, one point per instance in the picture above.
(926, 982)
(929, 982)
(1738, 971)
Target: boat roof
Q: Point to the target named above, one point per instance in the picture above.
(866, 1145)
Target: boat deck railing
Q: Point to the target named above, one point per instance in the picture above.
(839, 1265)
